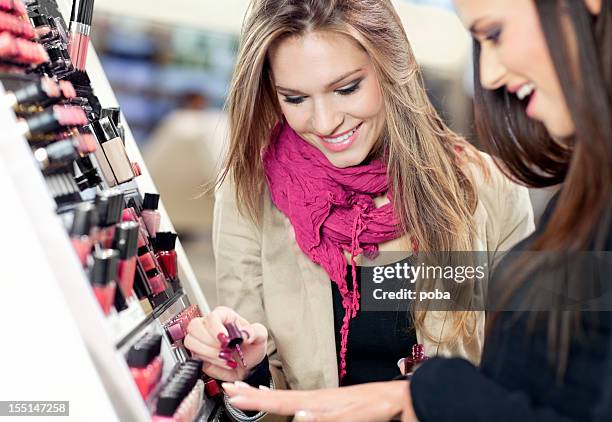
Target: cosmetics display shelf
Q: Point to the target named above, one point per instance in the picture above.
(134, 349)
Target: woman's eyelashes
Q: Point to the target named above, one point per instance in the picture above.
(350, 88)
(493, 35)
(346, 90)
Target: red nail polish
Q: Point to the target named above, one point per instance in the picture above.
(223, 339)
(232, 364)
(225, 355)
(418, 357)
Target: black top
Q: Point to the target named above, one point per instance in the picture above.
(516, 381)
(376, 341)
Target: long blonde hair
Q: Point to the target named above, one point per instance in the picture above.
(433, 197)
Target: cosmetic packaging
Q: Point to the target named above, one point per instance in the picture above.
(149, 213)
(80, 27)
(103, 276)
(109, 204)
(156, 281)
(125, 242)
(101, 160)
(114, 150)
(145, 363)
(57, 117)
(180, 383)
(164, 245)
(56, 155)
(84, 220)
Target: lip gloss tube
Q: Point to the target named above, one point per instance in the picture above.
(149, 213)
(103, 276)
(125, 241)
(165, 243)
(85, 219)
(110, 205)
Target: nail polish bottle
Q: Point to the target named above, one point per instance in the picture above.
(125, 242)
(145, 363)
(164, 245)
(103, 276)
(149, 213)
(156, 281)
(85, 219)
(212, 388)
(417, 357)
(110, 205)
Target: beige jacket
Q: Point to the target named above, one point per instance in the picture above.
(265, 277)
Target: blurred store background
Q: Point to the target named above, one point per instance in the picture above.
(170, 64)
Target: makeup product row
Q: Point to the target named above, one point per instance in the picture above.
(63, 137)
(180, 398)
(106, 225)
(145, 363)
(176, 330)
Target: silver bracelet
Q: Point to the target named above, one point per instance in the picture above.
(238, 415)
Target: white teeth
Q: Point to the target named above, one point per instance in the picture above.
(525, 91)
(340, 138)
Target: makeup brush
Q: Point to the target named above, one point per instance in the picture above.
(235, 339)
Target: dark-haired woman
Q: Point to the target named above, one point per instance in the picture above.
(544, 101)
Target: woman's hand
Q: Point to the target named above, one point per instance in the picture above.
(379, 401)
(207, 339)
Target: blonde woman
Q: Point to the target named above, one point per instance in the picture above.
(336, 152)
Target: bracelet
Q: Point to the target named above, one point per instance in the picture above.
(238, 415)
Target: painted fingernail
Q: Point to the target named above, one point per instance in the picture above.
(223, 339)
(225, 355)
(232, 364)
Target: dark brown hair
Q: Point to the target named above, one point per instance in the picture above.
(582, 163)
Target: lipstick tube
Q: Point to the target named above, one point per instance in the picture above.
(85, 219)
(57, 154)
(149, 213)
(45, 89)
(103, 276)
(165, 243)
(125, 241)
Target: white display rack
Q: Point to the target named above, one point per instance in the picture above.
(61, 346)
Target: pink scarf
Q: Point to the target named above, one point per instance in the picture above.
(331, 209)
